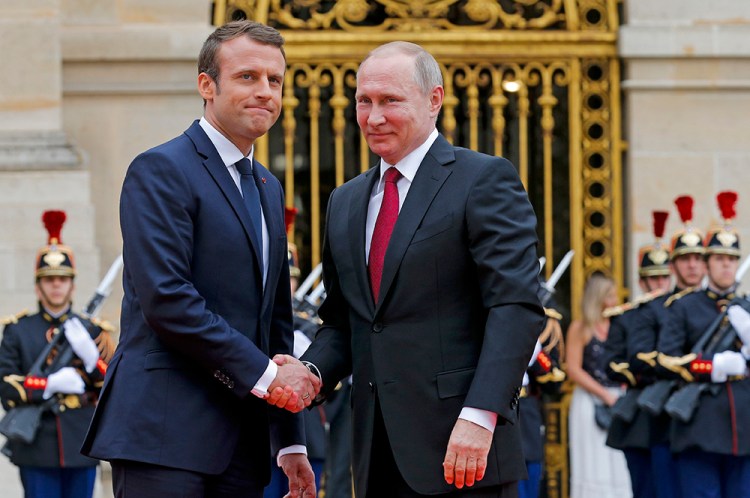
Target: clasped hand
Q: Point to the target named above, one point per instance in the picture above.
(294, 386)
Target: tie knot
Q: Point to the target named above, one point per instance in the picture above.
(392, 175)
(244, 166)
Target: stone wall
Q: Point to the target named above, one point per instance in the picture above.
(687, 95)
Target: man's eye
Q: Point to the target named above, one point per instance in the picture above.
(246, 77)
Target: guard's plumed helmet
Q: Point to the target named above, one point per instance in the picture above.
(724, 239)
(54, 259)
(688, 239)
(653, 259)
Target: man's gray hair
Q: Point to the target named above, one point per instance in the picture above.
(427, 74)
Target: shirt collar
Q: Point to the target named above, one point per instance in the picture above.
(409, 165)
(228, 152)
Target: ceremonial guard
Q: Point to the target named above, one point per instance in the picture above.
(543, 377)
(699, 347)
(631, 360)
(60, 383)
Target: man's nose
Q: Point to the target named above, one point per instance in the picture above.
(263, 89)
(376, 116)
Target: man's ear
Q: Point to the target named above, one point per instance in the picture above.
(436, 100)
(206, 86)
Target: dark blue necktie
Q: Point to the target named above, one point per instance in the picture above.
(252, 201)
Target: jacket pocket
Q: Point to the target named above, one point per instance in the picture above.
(455, 382)
(430, 230)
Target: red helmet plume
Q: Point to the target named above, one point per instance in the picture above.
(53, 222)
(727, 201)
(684, 205)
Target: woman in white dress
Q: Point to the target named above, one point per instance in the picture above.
(596, 471)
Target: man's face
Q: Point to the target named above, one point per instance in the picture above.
(656, 282)
(247, 99)
(689, 269)
(55, 293)
(393, 112)
(722, 269)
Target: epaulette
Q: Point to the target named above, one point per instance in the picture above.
(619, 309)
(680, 295)
(650, 296)
(553, 313)
(102, 324)
(13, 318)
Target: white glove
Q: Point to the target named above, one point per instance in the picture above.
(83, 345)
(66, 381)
(740, 320)
(726, 364)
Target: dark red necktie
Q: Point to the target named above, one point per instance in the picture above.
(383, 227)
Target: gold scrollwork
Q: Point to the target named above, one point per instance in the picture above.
(412, 15)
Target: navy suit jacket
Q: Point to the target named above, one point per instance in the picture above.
(457, 319)
(197, 327)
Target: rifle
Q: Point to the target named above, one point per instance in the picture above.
(682, 404)
(21, 423)
(626, 406)
(655, 397)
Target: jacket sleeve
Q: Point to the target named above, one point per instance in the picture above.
(502, 241)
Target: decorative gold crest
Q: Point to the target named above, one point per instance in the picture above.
(54, 258)
(691, 239)
(658, 256)
(727, 239)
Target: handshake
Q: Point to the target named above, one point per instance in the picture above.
(294, 387)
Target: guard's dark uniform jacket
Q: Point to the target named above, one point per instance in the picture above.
(719, 424)
(545, 377)
(630, 352)
(62, 430)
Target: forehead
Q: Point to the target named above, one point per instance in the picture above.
(388, 73)
(245, 53)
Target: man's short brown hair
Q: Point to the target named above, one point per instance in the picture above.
(208, 59)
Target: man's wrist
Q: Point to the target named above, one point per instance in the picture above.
(261, 387)
(319, 398)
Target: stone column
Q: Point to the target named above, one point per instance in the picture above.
(39, 168)
(687, 89)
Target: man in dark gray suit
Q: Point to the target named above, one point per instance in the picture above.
(207, 299)
(430, 271)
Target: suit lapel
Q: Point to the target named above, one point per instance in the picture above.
(430, 177)
(360, 199)
(218, 171)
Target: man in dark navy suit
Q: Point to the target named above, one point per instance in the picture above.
(430, 271)
(207, 299)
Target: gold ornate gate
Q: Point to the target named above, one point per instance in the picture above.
(536, 81)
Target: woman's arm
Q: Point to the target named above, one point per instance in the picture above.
(574, 346)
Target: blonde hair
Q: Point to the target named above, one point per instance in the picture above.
(594, 293)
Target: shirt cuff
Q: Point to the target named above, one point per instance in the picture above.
(483, 418)
(295, 448)
(261, 387)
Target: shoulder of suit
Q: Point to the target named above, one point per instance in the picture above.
(13, 319)
(679, 295)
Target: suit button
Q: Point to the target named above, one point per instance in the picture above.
(377, 327)
(372, 386)
(217, 374)
(230, 385)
